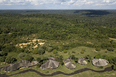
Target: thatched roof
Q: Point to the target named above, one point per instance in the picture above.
(51, 58)
(82, 61)
(99, 62)
(20, 64)
(50, 64)
(69, 64)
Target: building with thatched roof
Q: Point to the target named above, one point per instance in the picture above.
(52, 64)
(20, 64)
(99, 62)
(81, 60)
(69, 64)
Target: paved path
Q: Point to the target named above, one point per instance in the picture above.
(58, 72)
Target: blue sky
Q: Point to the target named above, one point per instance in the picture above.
(57, 4)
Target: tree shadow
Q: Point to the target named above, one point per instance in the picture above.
(93, 13)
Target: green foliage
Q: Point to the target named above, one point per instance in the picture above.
(22, 55)
(82, 51)
(76, 60)
(40, 51)
(97, 49)
(65, 51)
(38, 59)
(110, 59)
(98, 56)
(49, 49)
(10, 59)
(39, 64)
(105, 57)
(35, 51)
(101, 67)
(55, 51)
(114, 67)
(110, 49)
(72, 57)
(2, 59)
(73, 51)
(28, 58)
(3, 53)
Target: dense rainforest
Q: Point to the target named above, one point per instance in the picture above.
(96, 28)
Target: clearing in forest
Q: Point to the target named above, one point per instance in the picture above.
(34, 43)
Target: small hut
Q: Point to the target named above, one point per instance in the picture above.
(20, 64)
(50, 64)
(99, 62)
(82, 61)
(69, 64)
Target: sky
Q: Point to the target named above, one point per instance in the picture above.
(57, 4)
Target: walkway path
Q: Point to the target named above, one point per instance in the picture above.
(58, 72)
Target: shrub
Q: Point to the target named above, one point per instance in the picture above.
(41, 51)
(49, 49)
(98, 56)
(101, 67)
(114, 67)
(2, 59)
(44, 47)
(22, 55)
(72, 57)
(39, 64)
(10, 59)
(28, 58)
(35, 51)
(76, 60)
(97, 49)
(2, 53)
(73, 51)
(110, 59)
(55, 51)
(65, 51)
(38, 59)
(82, 51)
(110, 49)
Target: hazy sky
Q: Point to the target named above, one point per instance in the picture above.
(57, 4)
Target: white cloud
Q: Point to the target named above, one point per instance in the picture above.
(59, 3)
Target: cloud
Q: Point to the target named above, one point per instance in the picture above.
(58, 3)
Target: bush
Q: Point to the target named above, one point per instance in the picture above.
(22, 55)
(2, 53)
(97, 49)
(39, 64)
(73, 51)
(49, 49)
(101, 67)
(10, 59)
(76, 60)
(65, 51)
(55, 51)
(2, 59)
(72, 57)
(35, 51)
(38, 59)
(110, 49)
(98, 56)
(28, 58)
(41, 51)
(114, 67)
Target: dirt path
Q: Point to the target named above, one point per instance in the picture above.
(58, 72)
